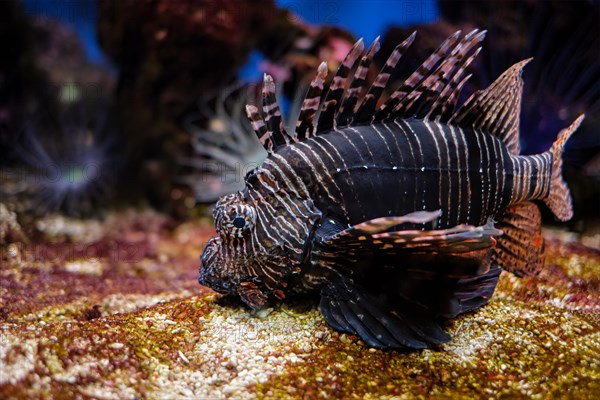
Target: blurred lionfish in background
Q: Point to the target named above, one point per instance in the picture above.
(388, 210)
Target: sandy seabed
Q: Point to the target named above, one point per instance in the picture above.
(112, 310)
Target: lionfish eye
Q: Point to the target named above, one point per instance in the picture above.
(239, 222)
(239, 219)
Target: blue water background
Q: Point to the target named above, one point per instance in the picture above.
(364, 18)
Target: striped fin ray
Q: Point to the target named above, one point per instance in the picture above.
(423, 100)
(305, 126)
(260, 128)
(444, 105)
(273, 114)
(423, 71)
(520, 249)
(336, 90)
(448, 105)
(559, 200)
(374, 235)
(496, 109)
(345, 114)
(367, 107)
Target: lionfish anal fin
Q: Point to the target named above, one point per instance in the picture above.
(520, 249)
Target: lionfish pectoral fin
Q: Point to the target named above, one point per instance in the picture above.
(473, 293)
(353, 310)
(520, 249)
(332, 230)
(374, 235)
(449, 265)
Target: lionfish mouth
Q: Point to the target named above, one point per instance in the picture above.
(207, 266)
(216, 284)
(248, 291)
(252, 295)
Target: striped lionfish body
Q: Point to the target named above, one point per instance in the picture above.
(398, 214)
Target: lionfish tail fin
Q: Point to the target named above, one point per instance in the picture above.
(559, 198)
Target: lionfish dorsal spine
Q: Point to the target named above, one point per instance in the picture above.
(429, 93)
(260, 128)
(332, 101)
(367, 106)
(497, 108)
(444, 104)
(345, 114)
(272, 112)
(415, 78)
(305, 126)
(424, 95)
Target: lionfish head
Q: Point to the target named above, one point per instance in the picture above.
(247, 257)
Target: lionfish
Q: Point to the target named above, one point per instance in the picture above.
(399, 216)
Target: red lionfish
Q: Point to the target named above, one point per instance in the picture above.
(399, 216)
